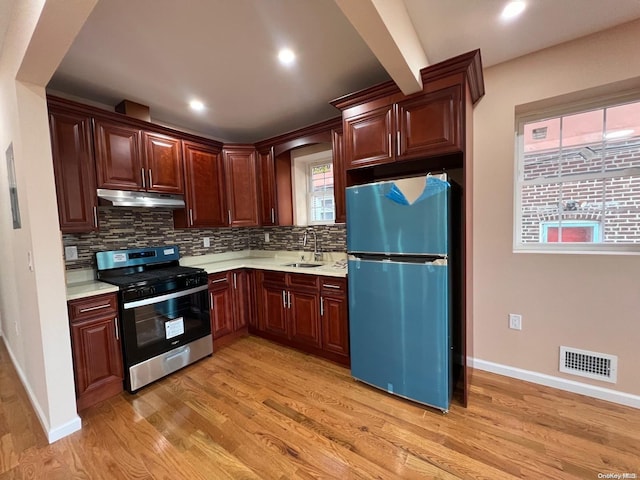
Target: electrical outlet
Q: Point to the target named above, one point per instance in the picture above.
(515, 321)
(70, 253)
(206, 241)
(266, 237)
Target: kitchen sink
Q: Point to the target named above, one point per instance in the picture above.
(302, 265)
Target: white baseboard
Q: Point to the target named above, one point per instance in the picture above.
(62, 431)
(54, 434)
(594, 391)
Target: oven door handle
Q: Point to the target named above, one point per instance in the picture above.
(162, 298)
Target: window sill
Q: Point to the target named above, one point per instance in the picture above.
(579, 249)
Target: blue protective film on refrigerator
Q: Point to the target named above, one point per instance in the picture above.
(388, 217)
(400, 329)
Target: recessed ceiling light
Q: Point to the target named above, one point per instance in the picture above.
(286, 56)
(618, 134)
(513, 9)
(196, 105)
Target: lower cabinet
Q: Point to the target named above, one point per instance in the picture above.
(230, 303)
(334, 315)
(96, 347)
(304, 311)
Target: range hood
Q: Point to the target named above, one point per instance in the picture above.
(122, 198)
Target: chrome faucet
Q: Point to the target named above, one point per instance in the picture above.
(317, 256)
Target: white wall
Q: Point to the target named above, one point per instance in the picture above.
(584, 301)
(32, 300)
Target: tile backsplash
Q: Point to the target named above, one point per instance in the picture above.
(122, 228)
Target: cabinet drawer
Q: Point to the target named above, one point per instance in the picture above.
(303, 280)
(218, 280)
(333, 286)
(274, 277)
(89, 307)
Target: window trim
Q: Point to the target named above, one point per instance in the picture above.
(566, 109)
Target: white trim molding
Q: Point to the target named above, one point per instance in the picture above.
(53, 434)
(594, 391)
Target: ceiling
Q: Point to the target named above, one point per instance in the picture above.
(162, 53)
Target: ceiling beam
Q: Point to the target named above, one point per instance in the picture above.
(386, 28)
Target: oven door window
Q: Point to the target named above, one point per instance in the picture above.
(158, 324)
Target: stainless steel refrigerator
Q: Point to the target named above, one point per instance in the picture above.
(399, 245)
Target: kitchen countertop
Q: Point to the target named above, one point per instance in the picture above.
(81, 283)
(88, 289)
(333, 266)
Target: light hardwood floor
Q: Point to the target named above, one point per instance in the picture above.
(259, 411)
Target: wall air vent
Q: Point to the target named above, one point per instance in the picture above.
(599, 366)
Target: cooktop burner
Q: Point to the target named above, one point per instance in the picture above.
(150, 276)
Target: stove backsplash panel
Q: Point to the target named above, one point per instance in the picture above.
(122, 228)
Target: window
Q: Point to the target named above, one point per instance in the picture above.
(312, 177)
(578, 178)
(320, 193)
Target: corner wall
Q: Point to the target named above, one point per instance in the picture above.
(589, 302)
(32, 296)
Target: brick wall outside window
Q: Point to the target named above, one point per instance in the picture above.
(613, 202)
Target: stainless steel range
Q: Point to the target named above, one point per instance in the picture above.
(164, 311)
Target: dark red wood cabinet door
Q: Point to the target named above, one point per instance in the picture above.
(430, 124)
(221, 307)
(304, 317)
(240, 177)
(97, 360)
(335, 329)
(339, 176)
(205, 195)
(118, 156)
(164, 163)
(368, 138)
(273, 311)
(74, 170)
(268, 208)
(241, 298)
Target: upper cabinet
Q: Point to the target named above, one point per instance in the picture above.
(369, 136)
(382, 126)
(240, 179)
(429, 124)
(164, 163)
(118, 156)
(74, 169)
(339, 175)
(129, 158)
(268, 201)
(205, 189)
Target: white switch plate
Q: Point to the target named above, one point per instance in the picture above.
(515, 321)
(206, 241)
(266, 237)
(70, 253)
